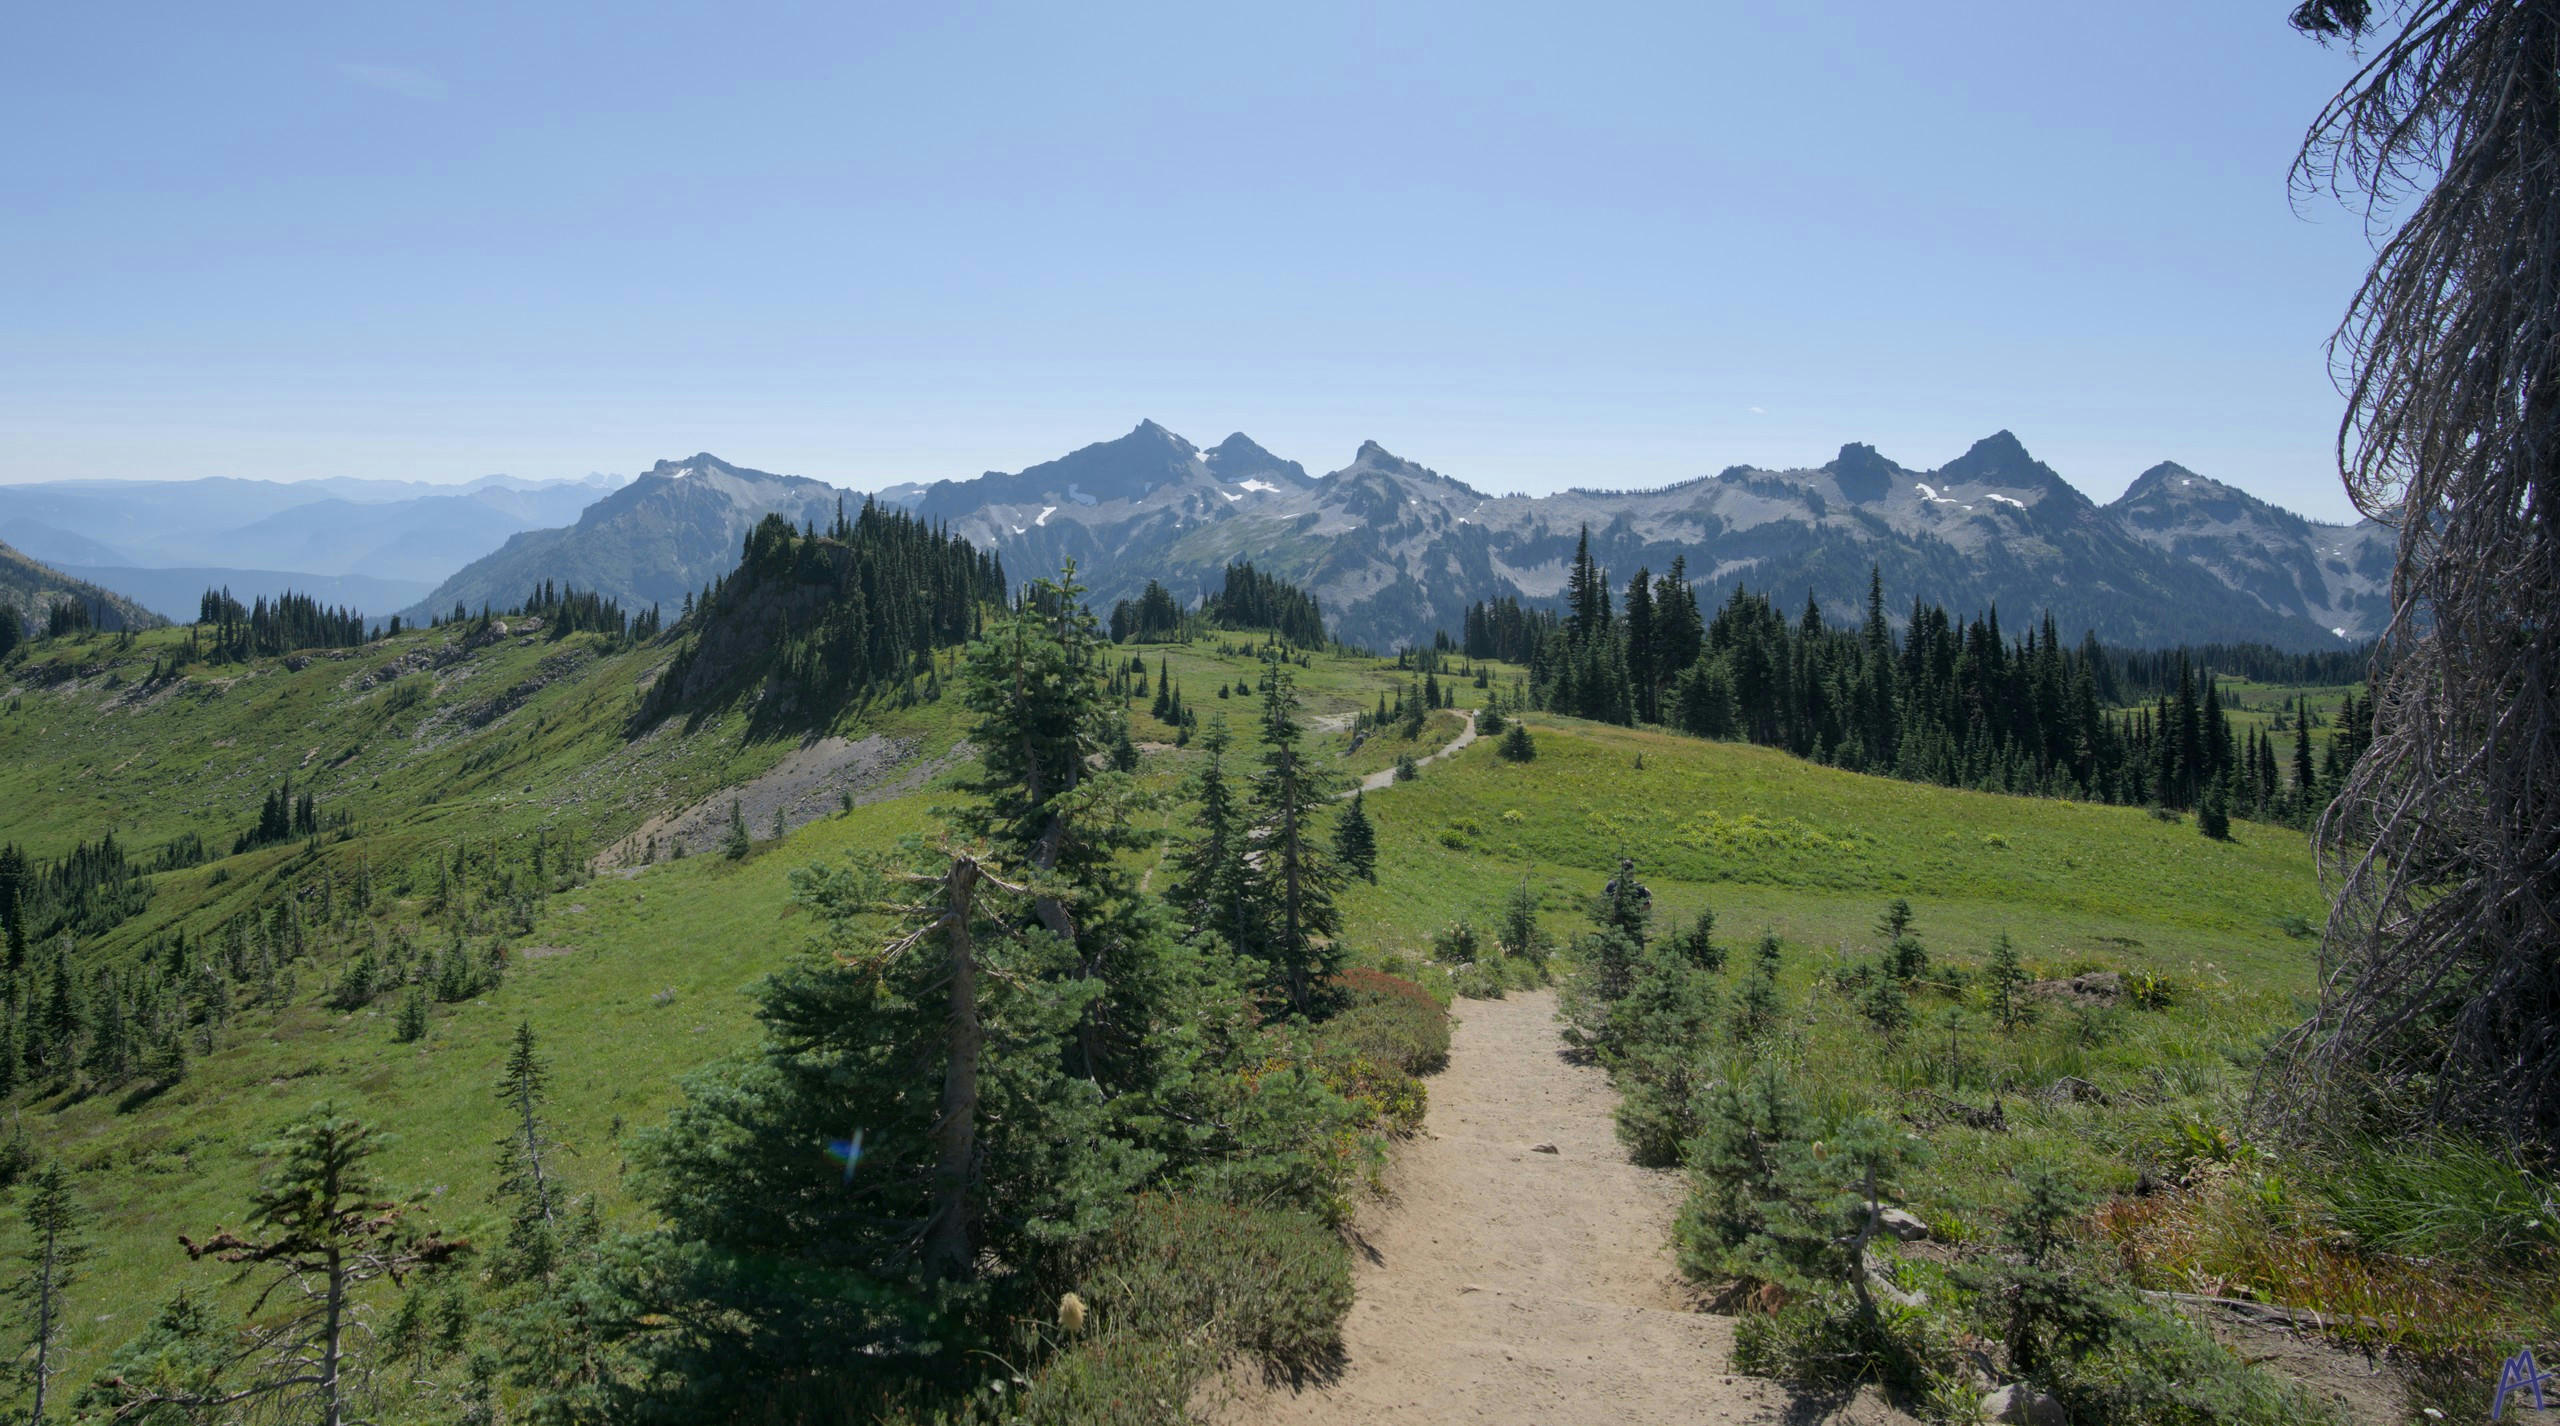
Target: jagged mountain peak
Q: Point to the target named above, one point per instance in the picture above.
(2001, 460)
(2002, 445)
(1862, 473)
(1396, 549)
(1375, 459)
(1239, 458)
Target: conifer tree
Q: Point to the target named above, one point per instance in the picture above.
(524, 1158)
(320, 1230)
(1209, 885)
(2005, 979)
(57, 1245)
(2046, 1306)
(1520, 936)
(1295, 879)
(913, 1115)
(1355, 841)
(1698, 944)
(2213, 810)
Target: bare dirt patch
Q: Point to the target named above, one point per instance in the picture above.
(810, 782)
(2366, 1390)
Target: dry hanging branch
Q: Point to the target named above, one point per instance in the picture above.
(2440, 995)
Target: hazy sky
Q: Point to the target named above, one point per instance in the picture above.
(1529, 246)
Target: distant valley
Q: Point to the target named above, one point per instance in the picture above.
(373, 545)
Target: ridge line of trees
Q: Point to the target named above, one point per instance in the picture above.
(1959, 704)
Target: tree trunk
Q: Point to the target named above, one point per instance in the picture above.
(947, 1249)
(1858, 1246)
(331, 1407)
(44, 1327)
(533, 1155)
(1290, 942)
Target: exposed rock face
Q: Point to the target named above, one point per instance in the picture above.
(1395, 550)
(2337, 577)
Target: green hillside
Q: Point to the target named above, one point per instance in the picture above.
(467, 776)
(29, 590)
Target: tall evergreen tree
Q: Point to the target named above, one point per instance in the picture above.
(1355, 841)
(525, 1174)
(1210, 879)
(1296, 879)
(1586, 596)
(57, 1245)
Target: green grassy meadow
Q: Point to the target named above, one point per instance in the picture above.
(632, 980)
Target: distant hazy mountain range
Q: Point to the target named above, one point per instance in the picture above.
(374, 544)
(1393, 549)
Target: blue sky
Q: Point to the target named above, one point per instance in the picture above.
(1530, 246)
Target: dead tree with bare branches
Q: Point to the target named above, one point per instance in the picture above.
(320, 1231)
(2440, 995)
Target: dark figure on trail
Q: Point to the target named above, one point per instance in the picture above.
(1635, 888)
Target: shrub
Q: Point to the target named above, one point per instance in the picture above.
(1456, 943)
(1390, 1018)
(1274, 1283)
(1481, 980)
(1177, 1286)
(1406, 768)
(1517, 746)
(1520, 935)
(412, 1024)
(2039, 1302)
(1826, 1341)
(2162, 1371)
(1886, 1007)
(1300, 1127)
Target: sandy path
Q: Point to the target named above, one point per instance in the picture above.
(1501, 1285)
(1386, 777)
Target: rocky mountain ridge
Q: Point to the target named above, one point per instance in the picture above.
(1395, 549)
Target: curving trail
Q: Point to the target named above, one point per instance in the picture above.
(1503, 1285)
(1386, 777)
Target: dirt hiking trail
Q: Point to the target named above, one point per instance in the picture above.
(1385, 778)
(1501, 1284)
